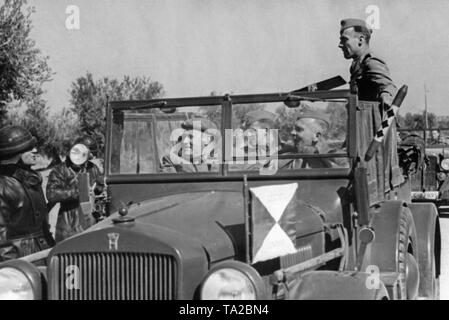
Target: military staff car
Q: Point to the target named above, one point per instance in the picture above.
(214, 220)
(426, 154)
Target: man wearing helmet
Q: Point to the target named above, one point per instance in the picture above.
(23, 211)
(63, 187)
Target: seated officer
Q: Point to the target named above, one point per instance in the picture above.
(193, 151)
(309, 136)
(255, 121)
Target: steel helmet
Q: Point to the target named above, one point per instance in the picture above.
(15, 140)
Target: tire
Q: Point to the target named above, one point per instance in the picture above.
(425, 216)
(407, 264)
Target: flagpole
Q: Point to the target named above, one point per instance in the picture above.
(425, 108)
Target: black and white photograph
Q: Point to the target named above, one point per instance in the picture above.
(224, 150)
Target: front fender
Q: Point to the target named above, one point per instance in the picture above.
(383, 251)
(333, 285)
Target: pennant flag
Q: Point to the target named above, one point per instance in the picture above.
(273, 221)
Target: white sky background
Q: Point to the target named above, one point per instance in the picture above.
(194, 47)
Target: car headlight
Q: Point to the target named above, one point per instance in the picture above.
(445, 164)
(14, 285)
(233, 280)
(19, 280)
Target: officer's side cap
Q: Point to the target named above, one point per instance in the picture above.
(314, 115)
(198, 123)
(258, 115)
(349, 23)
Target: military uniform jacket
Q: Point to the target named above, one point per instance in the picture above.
(62, 187)
(183, 166)
(371, 76)
(23, 213)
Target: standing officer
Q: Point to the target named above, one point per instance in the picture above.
(369, 74)
(23, 211)
(62, 187)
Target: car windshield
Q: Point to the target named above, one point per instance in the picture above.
(261, 137)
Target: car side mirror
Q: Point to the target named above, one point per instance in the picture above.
(168, 110)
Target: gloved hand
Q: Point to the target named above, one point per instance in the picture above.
(386, 99)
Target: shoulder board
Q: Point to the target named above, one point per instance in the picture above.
(370, 56)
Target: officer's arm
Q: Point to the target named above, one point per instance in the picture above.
(378, 72)
(59, 190)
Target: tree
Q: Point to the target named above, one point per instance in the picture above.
(23, 69)
(416, 121)
(89, 98)
(52, 132)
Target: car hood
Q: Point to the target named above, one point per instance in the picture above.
(214, 219)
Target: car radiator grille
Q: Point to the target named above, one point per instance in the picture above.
(113, 276)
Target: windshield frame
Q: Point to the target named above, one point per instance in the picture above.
(226, 102)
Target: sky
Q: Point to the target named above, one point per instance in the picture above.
(194, 47)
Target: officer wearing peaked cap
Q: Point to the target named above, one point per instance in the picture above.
(370, 76)
(191, 152)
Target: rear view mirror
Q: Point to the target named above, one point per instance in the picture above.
(290, 102)
(168, 110)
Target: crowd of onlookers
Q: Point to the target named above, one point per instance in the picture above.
(25, 205)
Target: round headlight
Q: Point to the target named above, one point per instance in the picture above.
(79, 154)
(228, 284)
(14, 285)
(233, 280)
(445, 164)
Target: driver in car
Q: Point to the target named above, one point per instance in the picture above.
(261, 143)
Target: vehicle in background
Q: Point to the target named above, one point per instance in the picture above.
(430, 174)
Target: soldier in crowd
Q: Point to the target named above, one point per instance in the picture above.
(185, 156)
(435, 137)
(24, 225)
(63, 187)
(90, 143)
(370, 76)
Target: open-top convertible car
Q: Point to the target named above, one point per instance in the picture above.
(220, 197)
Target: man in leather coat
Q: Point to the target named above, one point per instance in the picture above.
(63, 187)
(24, 225)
